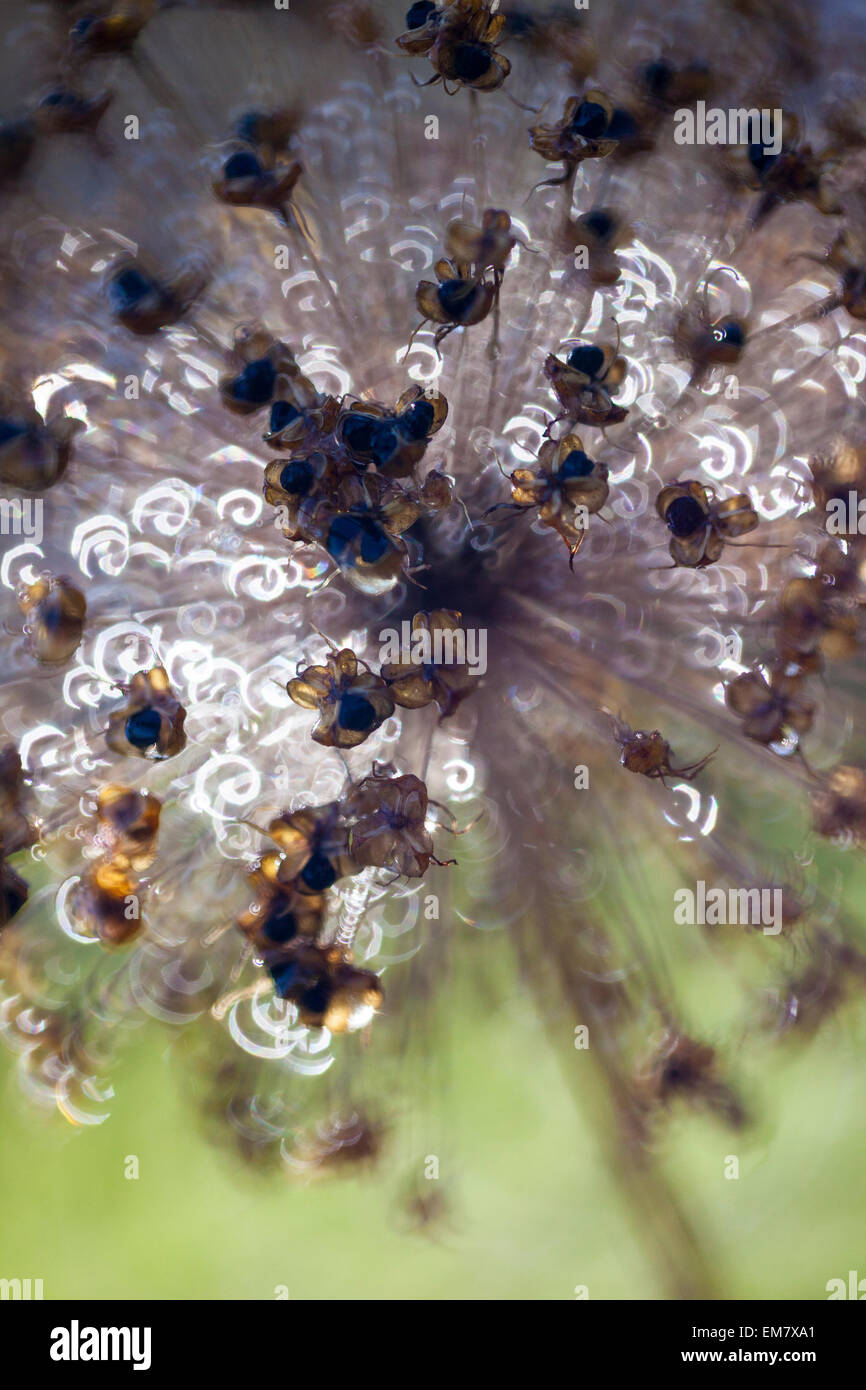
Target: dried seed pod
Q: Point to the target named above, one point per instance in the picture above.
(315, 848)
(34, 452)
(150, 724)
(143, 303)
(586, 382)
(648, 753)
(837, 473)
(683, 1069)
(128, 826)
(700, 524)
(348, 1142)
(431, 670)
(112, 32)
(460, 40)
(437, 491)
(772, 705)
(422, 25)
(596, 236)
(665, 85)
(262, 365)
(709, 343)
(816, 621)
(565, 487)
(847, 256)
(279, 915)
(358, 23)
(394, 440)
(14, 892)
(389, 829)
(457, 301)
(583, 132)
(107, 904)
(15, 830)
(839, 804)
(272, 129)
(794, 173)
(326, 990)
(352, 703)
(64, 111)
(360, 544)
(55, 611)
(254, 177)
(476, 249)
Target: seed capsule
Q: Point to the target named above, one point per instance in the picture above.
(128, 826)
(55, 612)
(150, 724)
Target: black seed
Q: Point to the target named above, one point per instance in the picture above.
(576, 465)
(587, 359)
(457, 298)
(242, 165)
(357, 714)
(318, 873)
(519, 23)
(11, 429)
(256, 382)
(297, 477)
(11, 901)
(418, 14)
(316, 998)
(284, 977)
(471, 61)
(282, 414)
(51, 615)
(128, 288)
(374, 543)
(417, 421)
(359, 431)
(347, 531)
(142, 728)
(761, 159)
(342, 534)
(247, 127)
(589, 120)
(601, 224)
(60, 99)
(684, 516)
(623, 125)
(279, 924)
(385, 441)
(657, 77)
(734, 333)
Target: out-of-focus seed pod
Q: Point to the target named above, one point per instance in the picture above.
(15, 830)
(107, 903)
(129, 824)
(34, 453)
(150, 724)
(55, 612)
(327, 991)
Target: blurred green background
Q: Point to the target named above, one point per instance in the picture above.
(533, 1212)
